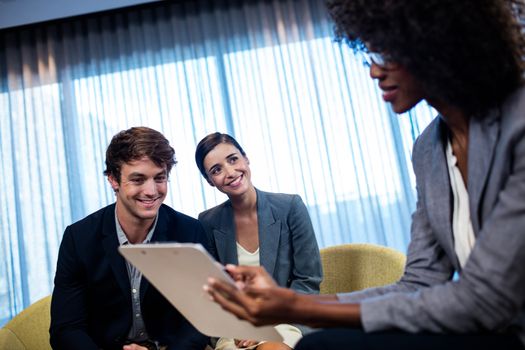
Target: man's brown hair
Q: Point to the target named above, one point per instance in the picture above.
(134, 144)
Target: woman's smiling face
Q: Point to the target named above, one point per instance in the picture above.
(228, 170)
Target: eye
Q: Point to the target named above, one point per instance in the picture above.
(215, 171)
(137, 181)
(161, 178)
(233, 159)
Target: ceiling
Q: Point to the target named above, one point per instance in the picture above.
(15, 13)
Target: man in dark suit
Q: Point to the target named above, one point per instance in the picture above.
(100, 301)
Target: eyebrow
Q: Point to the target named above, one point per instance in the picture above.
(136, 174)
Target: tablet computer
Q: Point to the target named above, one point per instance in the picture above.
(179, 271)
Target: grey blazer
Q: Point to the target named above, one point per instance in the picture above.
(489, 293)
(287, 245)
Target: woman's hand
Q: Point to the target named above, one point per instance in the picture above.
(273, 346)
(250, 276)
(259, 300)
(133, 347)
(262, 346)
(245, 343)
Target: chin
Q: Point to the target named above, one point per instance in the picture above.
(405, 105)
(401, 109)
(149, 213)
(236, 192)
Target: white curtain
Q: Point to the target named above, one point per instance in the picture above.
(267, 72)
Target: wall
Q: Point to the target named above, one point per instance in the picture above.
(20, 12)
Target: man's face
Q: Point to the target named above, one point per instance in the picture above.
(142, 189)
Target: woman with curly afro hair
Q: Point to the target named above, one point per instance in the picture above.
(464, 280)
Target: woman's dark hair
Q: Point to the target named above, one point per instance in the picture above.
(134, 144)
(210, 142)
(468, 53)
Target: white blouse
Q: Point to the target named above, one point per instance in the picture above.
(290, 333)
(462, 230)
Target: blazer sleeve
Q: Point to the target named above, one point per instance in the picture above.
(68, 307)
(307, 271)
(185, 337)
(491, 289)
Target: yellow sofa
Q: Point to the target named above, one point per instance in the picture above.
(346, 268)
(351, 267)
(29, 330)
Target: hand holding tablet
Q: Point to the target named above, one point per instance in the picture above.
(179, 271)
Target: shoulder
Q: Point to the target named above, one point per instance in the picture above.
(512, 113)
(174, 217)
(428, 136)
(275, 198)
(84, 236)
(516, 100)
(280, 202)
(426, 143)
(94, 220)
(212, 214)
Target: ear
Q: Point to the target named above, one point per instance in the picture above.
(209, 181)
(113, 182)
(247, 160)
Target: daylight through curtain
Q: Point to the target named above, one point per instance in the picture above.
(303, 107)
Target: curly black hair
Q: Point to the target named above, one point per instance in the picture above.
(468, 53)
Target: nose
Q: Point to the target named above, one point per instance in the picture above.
(377, 72)
(229, 170)
(150, 188)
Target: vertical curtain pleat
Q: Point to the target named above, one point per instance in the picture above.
(267, 72)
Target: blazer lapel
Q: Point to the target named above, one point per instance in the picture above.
(439, 196)
(483, 136)
(110, 243)
(269, 233)
(159, 235)
(224, 235)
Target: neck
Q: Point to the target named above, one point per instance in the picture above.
(456, 119)
(458, 124)
(135, 229)
(245, 203)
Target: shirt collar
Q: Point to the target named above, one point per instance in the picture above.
(122, 239)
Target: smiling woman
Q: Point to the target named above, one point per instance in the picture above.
(464, 282)
(257, 228)
(228, 170)
(267, 72)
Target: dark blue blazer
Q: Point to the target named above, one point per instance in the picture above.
(91, 302)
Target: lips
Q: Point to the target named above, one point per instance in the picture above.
(150, 202)
(236, 182)
(389, 93)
